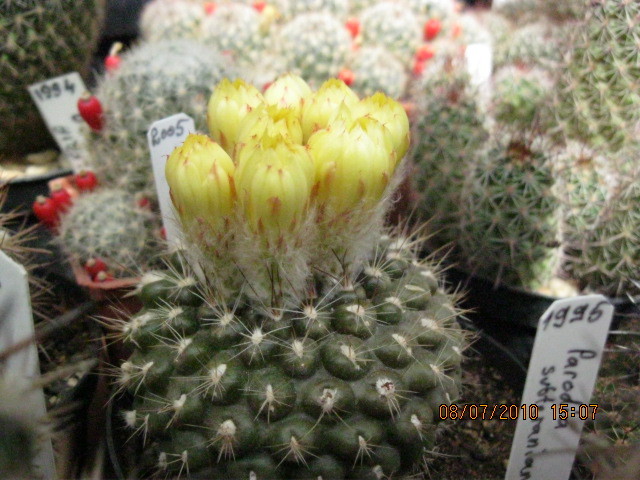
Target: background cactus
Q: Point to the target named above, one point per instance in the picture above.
(154, 81)
(108, 224)
(376, 69)
(598, 93)
(329, 374)
(171, 19)
(288, 9)
(42, 39)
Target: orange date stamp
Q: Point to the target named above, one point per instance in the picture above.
(479, 411)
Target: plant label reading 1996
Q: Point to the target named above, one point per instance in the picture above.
(163, 137)
(562, 372)
(16, 325)
(57, 100)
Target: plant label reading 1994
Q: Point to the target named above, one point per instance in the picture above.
(163, 137)
(562, 372)
(57, 101)
(16, 324)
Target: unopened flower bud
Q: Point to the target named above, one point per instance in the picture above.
(321, 107)
(229, 103)
(200, 178)
(288, 91)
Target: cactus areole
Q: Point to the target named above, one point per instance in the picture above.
(315, 345)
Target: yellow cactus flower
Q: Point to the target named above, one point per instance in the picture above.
(352, 164)
(288, 91)
(274, 187)
(228, 105)
(320, 109)
(392, 115)
(200, 178)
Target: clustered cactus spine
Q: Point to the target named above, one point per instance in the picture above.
(376, 69)
(171, 20)
(153, 81)
(341, 379)
(41, 39)
(108, 224)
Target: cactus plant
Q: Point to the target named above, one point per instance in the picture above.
(376, 69)
(108, 224)
(534, 44)
(446, 103)
(323, 374)
(154, 81)
(315, 46)
(510, 214)
(171, 19)
(41, 40)
(288, 9)
(598, 93)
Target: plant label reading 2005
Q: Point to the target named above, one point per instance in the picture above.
(562, 372)
(163, 137)
(57, 101)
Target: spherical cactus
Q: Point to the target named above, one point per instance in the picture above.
(154, 81)
(335, 376)
(376, 69)
(108, 224)
(519, 11)
(288, 9)
(315, 46)
(392, 26)
(520, 98)
(445, 103)
(441, 9)
(510, 215)
(171, 19)
(534, 44)
(41, 40)
(598, 94)
(235, 28)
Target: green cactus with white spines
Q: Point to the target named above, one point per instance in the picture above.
(598, 93)
(445, 103)
(520, 12)
(171, 20)
(520, 98)
(392, 26)
(531, 45)
(108, 224)
(509, 214)
(235, 28)
(441, 9)
(376, 69)
(154, 81)
(314, 46)
(289, 9)
(40, 40)
(323, 375)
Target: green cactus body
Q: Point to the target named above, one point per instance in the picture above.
(154, 81)
(234, 28)
(345, 384)
(315, 46)
(40, 40)
(598, 94)
(520, 98)
(289, 9)
(440, 9)
(171, 19)
(376, 69)
(510, 216)
(519, 11)
(445, 104)
(392, 26)
(534, 44)
(109, 225)
(606, 258)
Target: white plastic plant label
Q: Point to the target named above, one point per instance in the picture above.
(562, 372)
(22, 367)
(478, 58)
(163, 137)
(57, 100)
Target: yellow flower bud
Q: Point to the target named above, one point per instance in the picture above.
(393, 116)
(200, 178)
(274, 190)
(321, 107)
(352, 166)
(228, 105)
(288, 91)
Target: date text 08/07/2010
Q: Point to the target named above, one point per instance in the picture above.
(479, 411)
